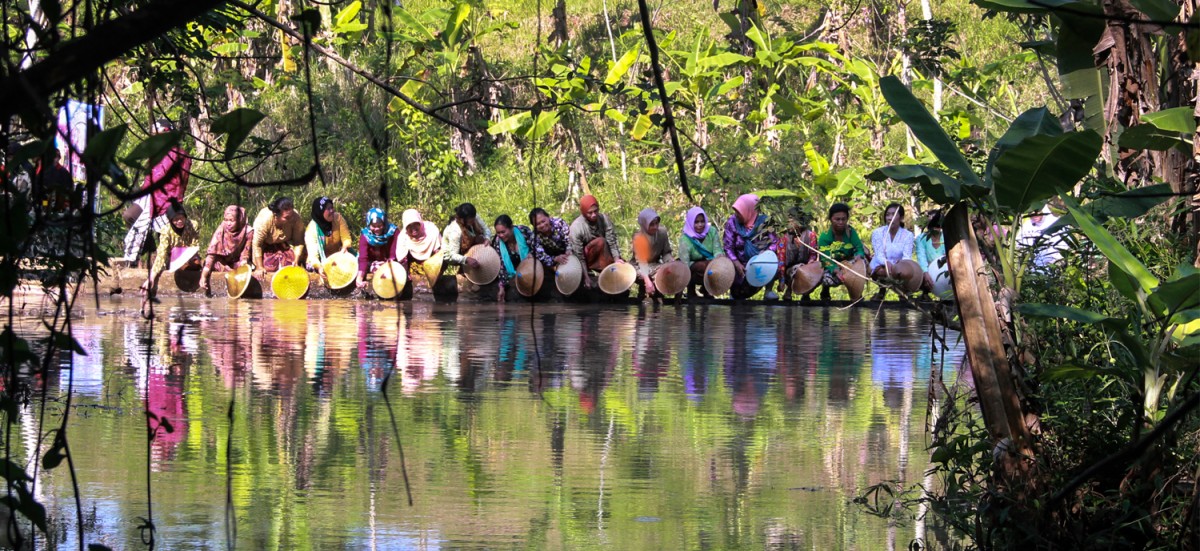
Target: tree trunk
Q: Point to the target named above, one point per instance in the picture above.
(558, 35)
(1007, 423)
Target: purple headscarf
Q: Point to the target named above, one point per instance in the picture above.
(690, 223)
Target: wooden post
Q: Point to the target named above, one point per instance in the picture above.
(998, 400)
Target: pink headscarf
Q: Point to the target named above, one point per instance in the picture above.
(747, 206)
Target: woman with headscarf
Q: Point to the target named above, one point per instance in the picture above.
(179, 234)
(593, 238)
(699, 244)
(229, 246)
(326, 234)
(891, 243)
(278, 237)
(419, 243)
(376, 245)
(514, 244)
(746, 237)
(651, 248)
(551, 233)
(838, 244)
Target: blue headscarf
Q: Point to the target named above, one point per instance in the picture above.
(373, 216)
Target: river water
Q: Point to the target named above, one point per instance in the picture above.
(560, 427)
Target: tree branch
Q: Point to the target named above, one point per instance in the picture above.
(355, 69)
(78, 58)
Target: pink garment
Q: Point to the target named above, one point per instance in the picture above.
(172, 173)
(747, 206)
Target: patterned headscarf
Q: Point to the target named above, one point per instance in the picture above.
(377, 215)
(318, 214)
(226, 242)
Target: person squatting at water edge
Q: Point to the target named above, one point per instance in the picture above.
(420, 245)
(552, 234)
(229, 247)
(278, 237)
(376, 245)
(799, 244)
(514, 244)
(891, 244)
(651, 249)
(593, 239)
(931, 248)
(466, 230)
(699, 243)
(839, 244)
(745, 238)
(327, 234)
(179, 234)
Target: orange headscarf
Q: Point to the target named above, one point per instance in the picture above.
(587, 202)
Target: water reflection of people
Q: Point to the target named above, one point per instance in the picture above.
(750, 360)
(159, 371)
(229, 344)
(892, 356)
(377, 349)
(650, 353)
(841, 354)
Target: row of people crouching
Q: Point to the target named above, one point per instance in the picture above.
(741, 257)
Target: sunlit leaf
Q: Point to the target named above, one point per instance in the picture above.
(617, 71)
(454, 23)
(408, 19)
(723, 59)
(545, 122)
(640, 127)
(509, 124)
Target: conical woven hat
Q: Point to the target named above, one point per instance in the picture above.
(641, 247)
(911, 274)
(806, 278)
(617, 278)
(489, 265)
(340, 269)
(719, 276)
(180, 257)
(530, 276)
(855, 283)
(761, 269)
(569, 275)
(187, 281)
(939, 272)
(389, 279)
(238, 280)
(672, 278)
(290, 283)
(433, 268)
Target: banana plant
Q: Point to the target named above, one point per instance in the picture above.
(1158, 336)
(1033, 161)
